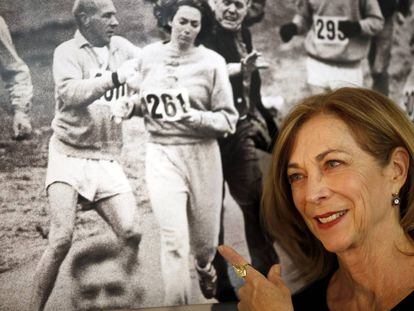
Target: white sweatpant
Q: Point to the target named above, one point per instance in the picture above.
(185, 184)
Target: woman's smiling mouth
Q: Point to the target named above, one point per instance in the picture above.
(330, 219)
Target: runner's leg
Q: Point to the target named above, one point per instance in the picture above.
(120, 212)
(168, 193)
(62, 199)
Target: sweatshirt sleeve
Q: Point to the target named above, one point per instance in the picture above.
(71, 87)
(222, 118)
(303, 16)
(14, 72)
(372, 20)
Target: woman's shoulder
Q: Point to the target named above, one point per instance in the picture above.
(210, 55)
(207, 52)
(312, 296)
(151, 47)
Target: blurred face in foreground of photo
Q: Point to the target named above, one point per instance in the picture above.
(341, 191)
(185, 26)
(102, 285)
(231, 13)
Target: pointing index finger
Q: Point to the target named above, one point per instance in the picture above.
(235, 259)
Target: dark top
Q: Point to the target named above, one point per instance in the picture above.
(389, 7)
(224, 42)
(313, 297)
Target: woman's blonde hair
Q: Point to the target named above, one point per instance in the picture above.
(378, 126)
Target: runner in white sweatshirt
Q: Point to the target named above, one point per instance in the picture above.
(90, 72)
(188, 102)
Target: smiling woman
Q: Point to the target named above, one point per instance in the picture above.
(339, 199)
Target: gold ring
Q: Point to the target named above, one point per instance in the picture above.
(241, 270)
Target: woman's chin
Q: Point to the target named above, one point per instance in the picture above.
(185, 44)
(335, 244)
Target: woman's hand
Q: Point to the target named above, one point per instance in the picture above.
(123, 108)
(191, 117)
(258, 292)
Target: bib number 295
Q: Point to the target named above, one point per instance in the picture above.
(327, 30)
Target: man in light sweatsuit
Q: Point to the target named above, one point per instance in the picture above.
(337, 39)
(16, 76)
(90, 73)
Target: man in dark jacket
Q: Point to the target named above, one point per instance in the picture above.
(380, 50)
(255, 129)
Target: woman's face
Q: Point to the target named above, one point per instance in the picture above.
(185, 26)
(341, 191)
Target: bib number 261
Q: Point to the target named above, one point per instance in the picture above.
(167, 104)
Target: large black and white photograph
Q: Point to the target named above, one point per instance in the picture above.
(137, 136)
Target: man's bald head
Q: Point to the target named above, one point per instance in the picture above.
(231, 13)
(88, 7)
(96, 20)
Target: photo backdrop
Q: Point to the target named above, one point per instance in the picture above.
(37, 27)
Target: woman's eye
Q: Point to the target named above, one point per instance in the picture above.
(333, 163)
(194, 24)
(183, 22)
(294, 177)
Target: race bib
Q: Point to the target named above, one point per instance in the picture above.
(327, 30)
(166, 104)
(112, 95)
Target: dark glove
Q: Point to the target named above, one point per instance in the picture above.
(404, 7)
(288, 31)
(350, 28)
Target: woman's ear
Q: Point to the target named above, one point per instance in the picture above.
(169, 22)
(399, 165)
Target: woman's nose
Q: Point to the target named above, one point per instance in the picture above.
(317, 189)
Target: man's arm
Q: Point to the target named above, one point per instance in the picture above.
(372, 20)
(408, 89)
(300, 23)
(303, 16)
(409, 82)
(14, 72)
(221, 120)
(74, 89)
(71, 86)
(247, 65)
